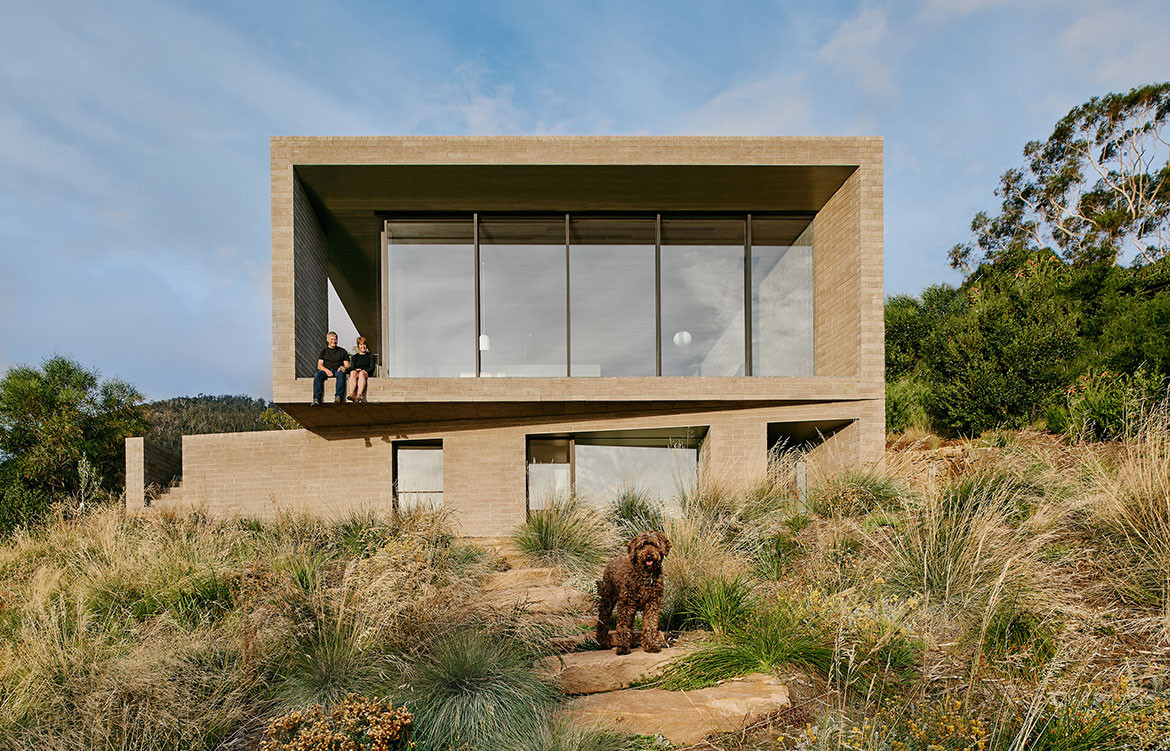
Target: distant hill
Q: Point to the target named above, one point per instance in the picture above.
(170, 419)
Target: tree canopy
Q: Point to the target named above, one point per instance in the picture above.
(62, 430)
(1096, 191)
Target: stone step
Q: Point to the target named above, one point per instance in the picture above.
(603, 670)
(538, 589)
(684, 717)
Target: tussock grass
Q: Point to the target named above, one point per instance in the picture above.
(853, 492)
(473, 689)
(635, 511)
(570, 534)
(1131, 511)
(179, 632)
(814, 635)
(719, 604)
(958, 548)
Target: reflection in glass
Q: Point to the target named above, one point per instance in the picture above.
(522, 297)
(549, 472)
(702, 297)
(782, 297)
(419, 477)
(605, 471)
(431, 273)
(611, 272)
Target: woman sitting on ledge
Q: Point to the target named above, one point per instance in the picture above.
(361, 367)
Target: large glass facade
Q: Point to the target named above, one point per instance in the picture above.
(702, 297)
(599, 295)
(522, 297)
(431, 298)
(611, 283)
(782, 305)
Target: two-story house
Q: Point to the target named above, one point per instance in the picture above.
(555, 314)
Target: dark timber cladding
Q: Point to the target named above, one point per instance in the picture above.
(347, 199)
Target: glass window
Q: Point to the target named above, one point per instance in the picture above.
(607, 469)
(431, 298)
(549, 471)
(782, 297)
(611, 273)
(702, 297)
(522, 297)
(418, 476)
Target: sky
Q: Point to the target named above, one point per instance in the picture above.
(134, 136)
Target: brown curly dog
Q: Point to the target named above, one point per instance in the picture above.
(633, 582)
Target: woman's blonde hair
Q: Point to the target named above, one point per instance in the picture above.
(361, 340)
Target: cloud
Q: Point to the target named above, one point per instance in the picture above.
(1107, 45)
(862, 47)
(766, 106)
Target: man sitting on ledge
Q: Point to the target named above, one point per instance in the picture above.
(331, 363)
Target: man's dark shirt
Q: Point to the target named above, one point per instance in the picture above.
(333, 357)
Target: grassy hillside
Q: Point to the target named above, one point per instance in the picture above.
(1004, 593)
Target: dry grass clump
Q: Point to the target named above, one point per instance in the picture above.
(1131, 511)
(960, 549)
(179, 632)
(852, 492)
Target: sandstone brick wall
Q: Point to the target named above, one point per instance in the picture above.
(337, 471)
(311, 297)
(150, 468)
(836, 284)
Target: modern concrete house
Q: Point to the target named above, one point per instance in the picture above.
(556, 313)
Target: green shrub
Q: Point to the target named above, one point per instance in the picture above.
(719, 604)
(856, 491)
(476, 690)
(906, 405)
(1102, 405)
(569, 533)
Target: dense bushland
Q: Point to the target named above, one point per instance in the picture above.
(1066, 291)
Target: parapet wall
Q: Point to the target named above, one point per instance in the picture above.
(150, 469)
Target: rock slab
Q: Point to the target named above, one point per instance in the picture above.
(537, 589)
(684, 717)
(603, 670)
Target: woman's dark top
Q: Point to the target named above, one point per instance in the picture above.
(363, 362)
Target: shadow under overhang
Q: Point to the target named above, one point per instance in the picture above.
(479, 415)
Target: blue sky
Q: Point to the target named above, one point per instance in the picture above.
(134, 135)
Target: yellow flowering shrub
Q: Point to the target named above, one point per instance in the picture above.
(357, 724)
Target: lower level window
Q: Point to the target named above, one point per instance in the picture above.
(418, 475)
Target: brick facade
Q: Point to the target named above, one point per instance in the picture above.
(338, 471)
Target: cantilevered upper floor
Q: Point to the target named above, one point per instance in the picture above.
(509, 277)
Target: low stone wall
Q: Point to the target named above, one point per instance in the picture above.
(150, 469)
